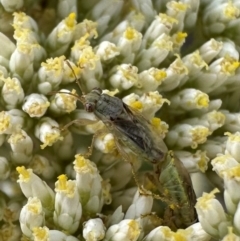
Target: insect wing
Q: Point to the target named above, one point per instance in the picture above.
(134, 135)
(155, 144)
(173, 179)
(186, 180)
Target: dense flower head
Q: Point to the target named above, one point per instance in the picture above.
(107, 108)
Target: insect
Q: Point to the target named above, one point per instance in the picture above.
(172, 180)
(127, 125)
(129, 128)
(169, 175)
(132, 132)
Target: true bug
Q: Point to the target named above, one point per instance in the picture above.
(173, 181)
(129, 128)
(133, 132)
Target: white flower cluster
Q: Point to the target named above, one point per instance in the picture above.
(175, 64)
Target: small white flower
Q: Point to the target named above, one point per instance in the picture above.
(161, 25)
(236, 219)
(63, 103)
(214, 146)
(231, 179)
(43, 167)
(195, 64)
(191, 14)
(128, 230)
(152, 102)
(222, 163)
(94, 230)
(232, 121)
(178, 40)
(91, 66)
(189, 99)
(155, 53)
(178, 11)
(218, 16)
(183, 135)
(193, 162)
(133, 101)
(146, 8)
(70, 73)
(85, 122)
(229, 48)
(50, 74)
(116, 217)
(12, 93)
(107, 51)
(141, 205)
(47, 131)
(128, 44)
(105, 143)
(22, 147)
(124, 76)
(210, 49)
(211, 120)
(150, 79)
(24, 21)
(32, 186)
(231, 236)
(43, 233)
(86, 27)
(32, 215)
(12, 121)
(68, 209)
(105, 12)
(61, 36)
(218, 72)
(35, 105)
(176, 73)
(89, 185)
(161, 233)
(196, 232)
(21, 62)
(12, 6)
(7, 48)
(120, 172)
(211, 215)
(65, 7)
(233, 145)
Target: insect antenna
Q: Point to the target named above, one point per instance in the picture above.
(77, 82)
(76, 79)
(67, 93)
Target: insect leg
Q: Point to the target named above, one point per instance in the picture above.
(90, 148)
(132, 159)
(80, 122)
(85, 122)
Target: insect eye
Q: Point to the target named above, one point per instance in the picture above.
(89, 107)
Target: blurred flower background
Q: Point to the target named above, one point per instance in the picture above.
(179, 57)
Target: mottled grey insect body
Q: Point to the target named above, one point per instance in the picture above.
(128, 127)
(132, 130)
(104, 106)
